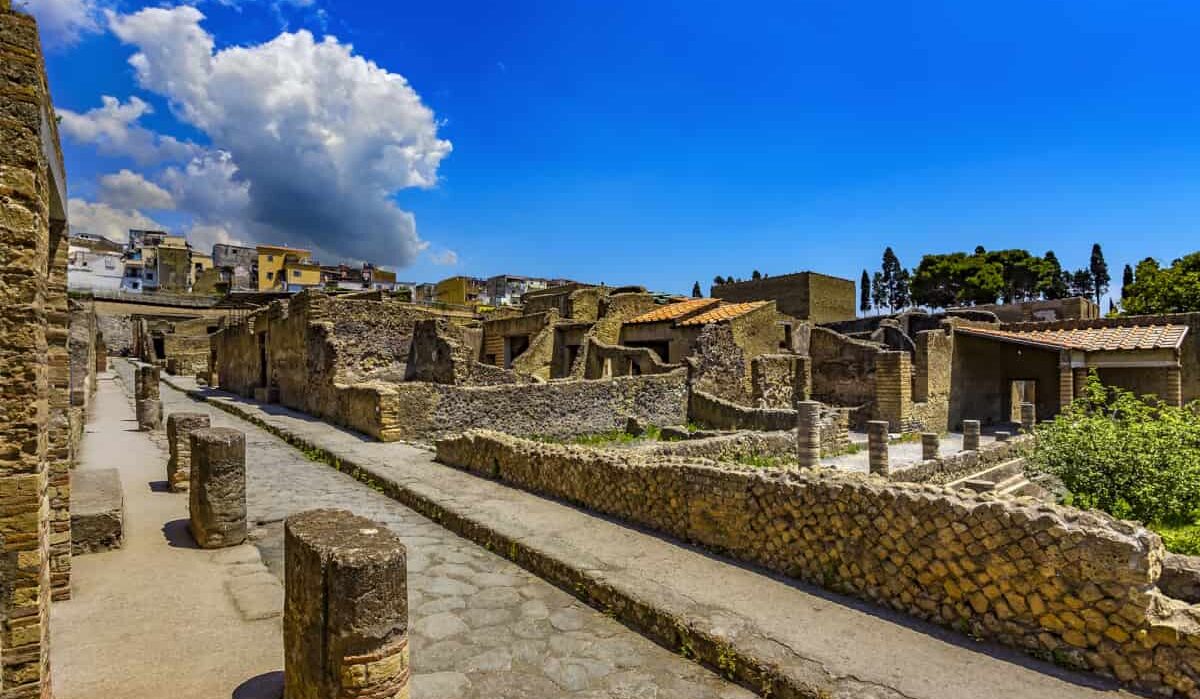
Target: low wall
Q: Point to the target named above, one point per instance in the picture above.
(954, 466)
(556, 409)
(720, 414)
(1058, 582)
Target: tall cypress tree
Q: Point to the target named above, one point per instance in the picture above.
(864, 292)
(1099, 270)
(1126, 280)
(696, 293)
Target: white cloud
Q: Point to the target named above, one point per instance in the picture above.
(130, 190)
(314, 140)
(204, 236)
(447, 258)
(113, 128)
(102, 219)
(64, 22)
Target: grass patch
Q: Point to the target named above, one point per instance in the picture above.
(602, 439)
(907, 438)
(1184, 539)
(762, 461)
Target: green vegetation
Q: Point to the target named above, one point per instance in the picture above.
(763, 461)
(1132, 457)
(961, 279)
(603, 439)
(1154, 289)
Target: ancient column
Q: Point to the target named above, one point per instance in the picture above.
(1079, 380)
(1066, 386)
(345, 617)
(929, 446)
(808, 433)
(147, 405)
(217, 503)
(877, 447)
(1028, 417)
(179, 443)
(970, 435)
(146, 382)
(1002, 436)
(1174, 394)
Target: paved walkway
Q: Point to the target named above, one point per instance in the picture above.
(900, 454)
(809, 638)
(152, 619)
(480, 626)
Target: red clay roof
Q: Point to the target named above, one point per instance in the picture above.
(672, 311)
(1137, 337)
(726, 312)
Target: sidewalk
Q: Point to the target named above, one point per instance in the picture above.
(771, 632)
(153, 619)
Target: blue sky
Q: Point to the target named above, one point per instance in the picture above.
(666, 142)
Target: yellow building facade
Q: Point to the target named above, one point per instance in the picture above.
(282, 267)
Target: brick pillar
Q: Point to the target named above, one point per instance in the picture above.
(893, 389)
(345, 618)
(1174, 386)
(970, 435)
(179, 442)
(1079, 380)
(808, 433)
(877, 447)
(1028, 417)
(1066, 386)
(929, 446)
(803, 385)
(58, 358)
(217, 497)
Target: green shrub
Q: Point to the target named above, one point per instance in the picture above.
(1133, 457)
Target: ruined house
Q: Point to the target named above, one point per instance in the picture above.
(810, 296)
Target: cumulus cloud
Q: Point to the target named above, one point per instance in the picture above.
(113, 128)
(448, 258)
(64, 22)
(102, 219)
(129, 190)
(311, 141)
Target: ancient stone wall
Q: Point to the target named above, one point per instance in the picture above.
(1054, 581)
(443, 352)
(951, 467)
(604, 361)
(779, 380)
(843, 371)
(804, 295)
(118, 333)
(719, 414)
(613, 311)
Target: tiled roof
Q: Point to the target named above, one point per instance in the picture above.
(672, 311)
(1137, 337)
(726, 312)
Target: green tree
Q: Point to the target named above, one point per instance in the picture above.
(896, 279)
(696, 293)
(756, 275)
(1099, 270)
(1050, 282)
(1155, 289)
(879, 291)
(1126, 280)
(864, 292)
(1082, 283)
(718, 280)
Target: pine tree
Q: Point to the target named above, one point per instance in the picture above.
(896, 280)
(1051, 282)
(879, 291)
(696, 293)
(718, 280)
(1099, 271)
(756, 275)
(1126, 280)
(864, 292)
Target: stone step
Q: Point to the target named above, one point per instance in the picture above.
(994, 474)
(97, 511)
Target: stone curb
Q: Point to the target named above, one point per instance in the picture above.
(735, 659)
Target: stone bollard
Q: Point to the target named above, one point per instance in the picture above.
(808, 433)
(877, 447)
(1028, 417)
(217, 502)
(345, 616)
(149, 413)
(929, 446)
(970, 435)
(1002, 436)
(146, 383)
(179, 443)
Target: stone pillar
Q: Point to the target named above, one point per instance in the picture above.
(877, 447)
(217, 501)
(1174, 387)
(345, 617)
(146, 383)
(1002, 436)
(893, 389)
(970, 435)
(179, 441)
(1079, 380)
(929, 446)
(1028, 417)
(149, 413)
(1066, 386)
(808, 433)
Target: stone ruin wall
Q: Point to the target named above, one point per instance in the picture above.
(625, 361)
(843, 372)
(1078, 587)
(612, 312)
(118, 333)
(950, 467)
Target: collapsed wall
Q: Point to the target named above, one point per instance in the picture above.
(1055, 581)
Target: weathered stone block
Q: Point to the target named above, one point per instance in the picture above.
(877, 447)
(345, 624)
(97, 511)
(149, 413)
(970, 431)
(145, 382)
(217, 498)
(929, 445)
(179, 464)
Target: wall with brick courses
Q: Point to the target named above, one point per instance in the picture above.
(958, 465)
(617, 360)
(843, 371)
(804, 295)
(1079, 586)
(982, 374)
(717, 413)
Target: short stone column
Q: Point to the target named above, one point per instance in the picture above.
(217, 502)
(970, 435)
(149, 413)
(1002, 436)
(929, 446)
(179, 444)
(146, 382)
(1028, 417)
(877, 447)
(808, 433)
(1066, 386)
(1079, 380)
(345, 616)
(1174, 395)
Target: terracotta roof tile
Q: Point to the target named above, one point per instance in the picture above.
(673, 311)
(1137, 337)
(726, 312)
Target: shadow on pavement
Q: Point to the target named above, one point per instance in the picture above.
(268, 685)
(177, 535)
